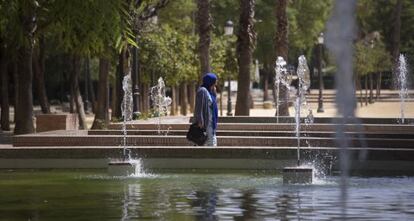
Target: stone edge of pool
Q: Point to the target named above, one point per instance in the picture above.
(184, 157)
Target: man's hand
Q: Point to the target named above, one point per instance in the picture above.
(200, 125)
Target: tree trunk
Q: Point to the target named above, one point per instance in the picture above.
(396, 35)
(116, 105)
(38, 75)
(371, 89)
(204, 23)
(72, 105)
(101, 115)
(5, 106)
(221, 100)
(145, 98)
(183, 96)
(24, 103)
(366, 89)
(359, 87)
(174, 101)
(378, 92)
(266, 85)
(15, 73)
(245, 44)
(191, 95)
(281, 47)
(91, 87)
(77, 98)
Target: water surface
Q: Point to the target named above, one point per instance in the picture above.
(92, 195)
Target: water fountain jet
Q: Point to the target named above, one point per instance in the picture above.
(160, 101)
(125, 166)
(402, 85)
(299, 174)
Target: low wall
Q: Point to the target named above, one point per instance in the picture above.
(324, 120)
(395, 161)
(50, 122)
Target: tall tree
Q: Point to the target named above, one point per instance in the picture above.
(101, 116)
(204, 23)
(281, 48)
(5, 120)
(38, 75)
(245, 45)
(75, 90)
(24, 103)
(396, 35)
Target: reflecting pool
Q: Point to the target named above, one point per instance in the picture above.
(196, 195)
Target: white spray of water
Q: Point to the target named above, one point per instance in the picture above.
(303, 85)
(402, 85)
(126, 108)
(160, 101)
(283, 79)
(340, 35)
(127, 111)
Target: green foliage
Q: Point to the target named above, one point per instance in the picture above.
(378, 15)
(371, 58)
(87, 27)
(306, 20)
(169, 54)
(11, 24)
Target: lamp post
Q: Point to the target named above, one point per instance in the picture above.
(228, 31)
(320, 97)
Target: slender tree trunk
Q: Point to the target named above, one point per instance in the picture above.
(266, 85)
(178, 106)
(378, 92)
(72, 105)
(204, 23)
(116, 107)
(245, 44)
(5, 106)
(371, 89)
(359, 87)
(145, 98)
(191, 95)
(77, 98)
(147, 88)
(174, 101)
(15, 73)
(366, 89)
(101, 115)
(396, 35)
(281, 44)
(184, 101)
(91, 87)
(38, 75)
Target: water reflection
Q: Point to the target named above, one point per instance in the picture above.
(204, 205)
(69, 196)
(186, 199)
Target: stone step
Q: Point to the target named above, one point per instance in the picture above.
(244, 133)
(147, 140)
(316, 120)
(375, 128)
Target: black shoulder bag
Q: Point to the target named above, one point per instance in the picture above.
(196, 135)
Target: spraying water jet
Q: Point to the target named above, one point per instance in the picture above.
(299, 174)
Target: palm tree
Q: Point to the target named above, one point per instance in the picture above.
(396, 35)
(281, 48)
(24, 102)
(245, 46)
(204, 23)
